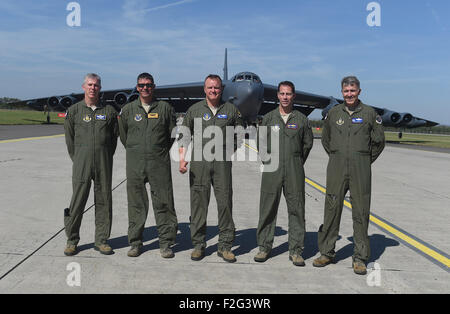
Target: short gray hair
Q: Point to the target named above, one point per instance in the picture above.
(92, 76)
(350, 80)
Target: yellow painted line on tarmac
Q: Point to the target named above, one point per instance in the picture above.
(30, 138)
(430, 252)
(251, 147)
(421, 247)
(414, 243)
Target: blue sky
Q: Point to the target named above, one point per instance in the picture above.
(404, 64)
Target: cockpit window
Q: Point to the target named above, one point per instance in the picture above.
(246, 77)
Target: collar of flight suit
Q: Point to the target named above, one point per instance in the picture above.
(98, 105)
(153, 104)
(221, 104)
(293, 114)
(358, 108)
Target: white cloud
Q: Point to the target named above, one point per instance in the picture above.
(136, 11)
(169, 5)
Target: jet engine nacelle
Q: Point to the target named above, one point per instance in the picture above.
(67, 101)
(53, 101)
(415, 123)
(133, 97)
(122, 98)
(405, 118)
(390, 117)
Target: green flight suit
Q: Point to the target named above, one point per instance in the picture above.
(215, 172)
(295, 143)
(91, 139)
(147, 139)
(353, 143)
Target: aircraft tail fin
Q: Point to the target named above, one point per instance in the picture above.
(225, 67)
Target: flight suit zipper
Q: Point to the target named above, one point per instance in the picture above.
(284, 145)
(93, 145)
(348, 143)
(214, 117)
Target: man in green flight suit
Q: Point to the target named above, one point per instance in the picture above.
(353, 137)
(295, 140)
(145, 130)
(91, 136)
(210, 114)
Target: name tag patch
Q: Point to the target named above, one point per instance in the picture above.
(100, 117)
(357, 120)
(153, 115)
(293, 126)
(222, 116)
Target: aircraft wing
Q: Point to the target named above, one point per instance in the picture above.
(403, 120)
(36, 104)
(307, 102)
(62, 102)
(181, 96)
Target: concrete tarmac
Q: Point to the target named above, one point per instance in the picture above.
(409, 193)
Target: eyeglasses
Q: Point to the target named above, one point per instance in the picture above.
(148, 85)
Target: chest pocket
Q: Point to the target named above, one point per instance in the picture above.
(361, 128)
(83, 125)
(293, 129)
(155, 120)
(136, 120)
(359, 123)
(222, 119)
(101, 120)
(340, 124)
(294, 136)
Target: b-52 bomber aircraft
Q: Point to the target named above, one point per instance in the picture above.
(245, 90)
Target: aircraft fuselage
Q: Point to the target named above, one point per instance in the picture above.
(245, 90)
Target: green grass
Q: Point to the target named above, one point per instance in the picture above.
(10, 117)
(442, 141)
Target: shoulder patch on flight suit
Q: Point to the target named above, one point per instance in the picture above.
(138, 117)
(379, 120)
(153, 115)
(87, 118)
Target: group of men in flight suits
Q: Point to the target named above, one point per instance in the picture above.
(352, 136)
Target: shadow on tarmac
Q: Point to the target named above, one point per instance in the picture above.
(378, 244)
(245, 240)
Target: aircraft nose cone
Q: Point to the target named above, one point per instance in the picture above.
(249, 98)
